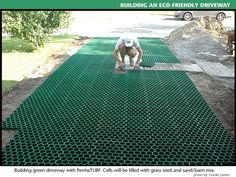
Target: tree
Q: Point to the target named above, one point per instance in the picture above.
(34, 26)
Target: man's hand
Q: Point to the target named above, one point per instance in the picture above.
(122, 66)
(136, 67)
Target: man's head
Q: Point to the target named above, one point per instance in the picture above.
(129, 42)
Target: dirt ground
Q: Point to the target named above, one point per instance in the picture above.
(219, 95)
(205, 40)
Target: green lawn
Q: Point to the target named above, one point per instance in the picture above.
(18, 45)
(63, 38)
(15, 45)
(7, 85)
(23, 54)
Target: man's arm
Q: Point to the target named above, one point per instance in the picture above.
(121, 65)
(116, 56)
(116, 49)
(140, 51)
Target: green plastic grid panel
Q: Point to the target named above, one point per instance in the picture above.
(155, 51)
(94, 117)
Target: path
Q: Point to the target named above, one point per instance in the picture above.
(116, 23)
(83, 114)
(141, 24)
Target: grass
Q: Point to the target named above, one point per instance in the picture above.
(62, 38)
(15, 45)
(19, 59)
(7, 85)
(18, 45)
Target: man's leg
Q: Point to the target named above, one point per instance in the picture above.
(122, 53)
(131, 61)
(132, 53)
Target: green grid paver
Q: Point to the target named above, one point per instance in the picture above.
(83, 114)
(155, 51)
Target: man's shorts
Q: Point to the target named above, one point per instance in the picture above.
(127, 49)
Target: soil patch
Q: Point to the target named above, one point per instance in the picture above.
(204, 40)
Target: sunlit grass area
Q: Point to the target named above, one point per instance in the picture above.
(7, 85)
(19, 58)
